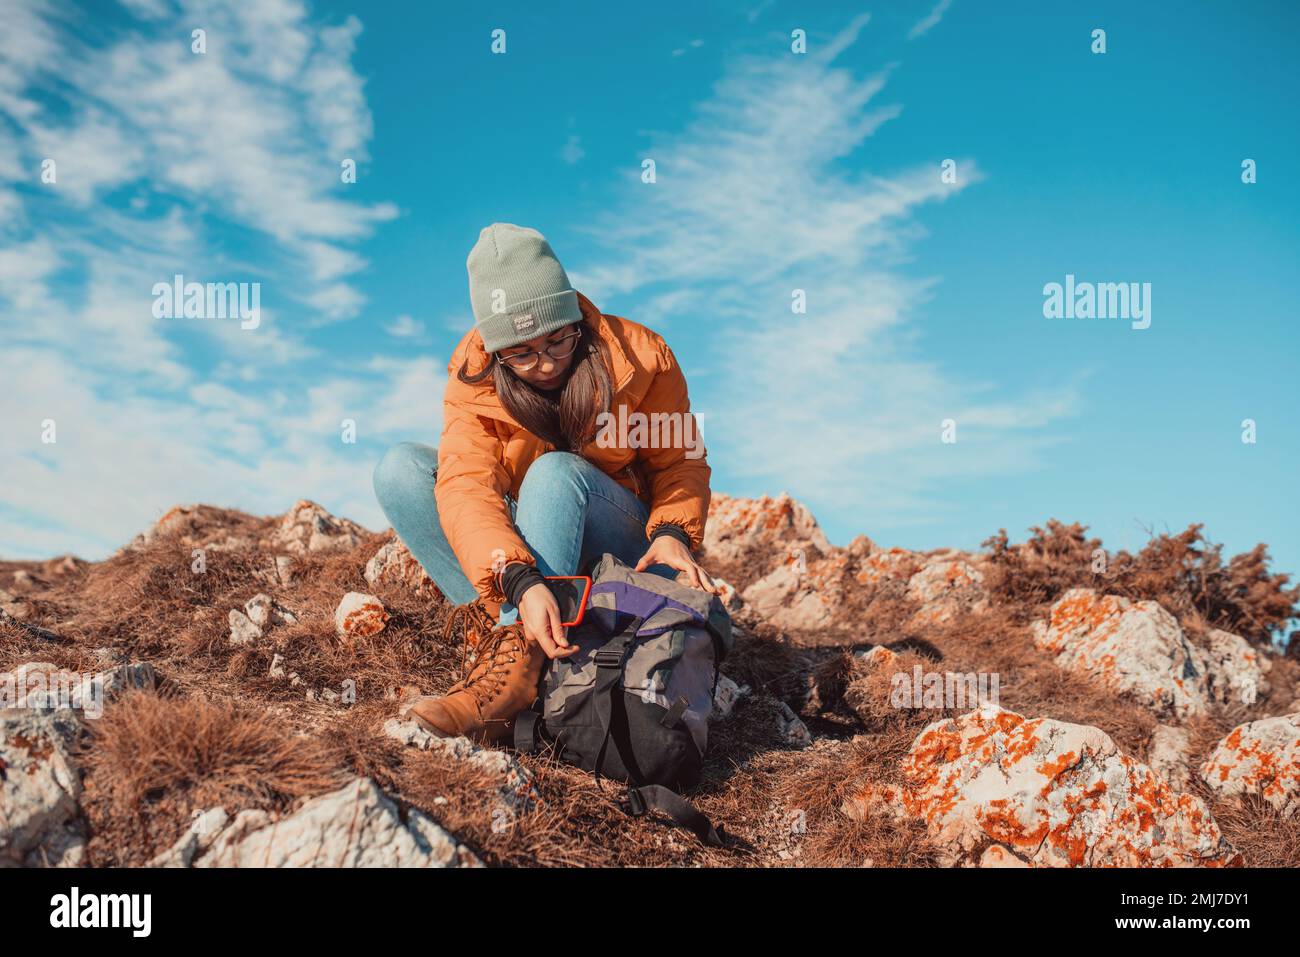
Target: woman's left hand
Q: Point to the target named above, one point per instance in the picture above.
(666, 550)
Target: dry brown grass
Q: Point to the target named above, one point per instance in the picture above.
(150, 760)
(222, 731)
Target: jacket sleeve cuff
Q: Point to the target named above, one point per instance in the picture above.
(672, 531)
(517, 578)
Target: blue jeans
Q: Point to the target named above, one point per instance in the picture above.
(568, 513)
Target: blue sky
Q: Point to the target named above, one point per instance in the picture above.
(775, 172)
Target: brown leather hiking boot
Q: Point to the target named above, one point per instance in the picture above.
(502, 682)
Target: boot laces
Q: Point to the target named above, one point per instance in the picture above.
(494, 649)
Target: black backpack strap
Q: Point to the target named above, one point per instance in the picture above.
(528, 728)
(609, 675)
(656, 797)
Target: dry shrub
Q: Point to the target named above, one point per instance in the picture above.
(869, 695)
(1049, 563)
(1185, 573)
(150, 761)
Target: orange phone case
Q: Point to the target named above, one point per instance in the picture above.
(586, 593)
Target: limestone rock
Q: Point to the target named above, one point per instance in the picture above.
(731, 599)
(1167, 754)
(876, 657)
(263, 610)
(40, 787)
(242, 629)
(946, 586)
(727, 696)
(1235, 669)
(1133, 648)
(737, 525)
(1259, 758)
(44, 687)
(789, 598)
(278, 669)
(356, 826)
(359, 616)
(204, 828)
(309, 528)
(1053, 794)
(394, 564)
(889, 566)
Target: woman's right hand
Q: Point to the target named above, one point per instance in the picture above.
(540, 613)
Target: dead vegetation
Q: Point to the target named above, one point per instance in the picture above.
(1185, 573)
(222, 731)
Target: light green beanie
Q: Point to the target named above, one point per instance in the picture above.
(517, 287)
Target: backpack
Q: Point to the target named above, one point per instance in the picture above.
(634, 702)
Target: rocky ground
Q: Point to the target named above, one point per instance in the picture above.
(252, 668)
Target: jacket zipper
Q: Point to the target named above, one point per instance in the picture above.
(632, 473)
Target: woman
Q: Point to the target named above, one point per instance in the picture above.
(532, 478)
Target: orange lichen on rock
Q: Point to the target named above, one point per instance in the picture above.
(894, 564)
(1060, 794)
(1261, 758)
(1135, 648)
(359, 616)
(736, 525)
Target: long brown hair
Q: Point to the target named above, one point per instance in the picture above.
(587, 394)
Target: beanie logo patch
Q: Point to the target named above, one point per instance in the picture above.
(524, 322)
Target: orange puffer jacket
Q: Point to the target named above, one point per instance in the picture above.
(484, 453)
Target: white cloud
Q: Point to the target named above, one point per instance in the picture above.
(251, 131)
(770, 190)
(337, 94)
(404, 327)
(23, 270)
(235, 153)
(930, 20)
(28, 45)
(118, 464)
(89, 156)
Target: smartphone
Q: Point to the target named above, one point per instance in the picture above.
(572, 592)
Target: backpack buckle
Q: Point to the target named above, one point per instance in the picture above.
(608, 659)
(635, 802)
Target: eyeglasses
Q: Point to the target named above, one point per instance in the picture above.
(561, 348)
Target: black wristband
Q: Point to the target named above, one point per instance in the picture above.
(517, 578)
(672, 531)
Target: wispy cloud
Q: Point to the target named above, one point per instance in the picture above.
(768, 191)
(930, 20)
(572, 150)
(404, 327)
(221, 166)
